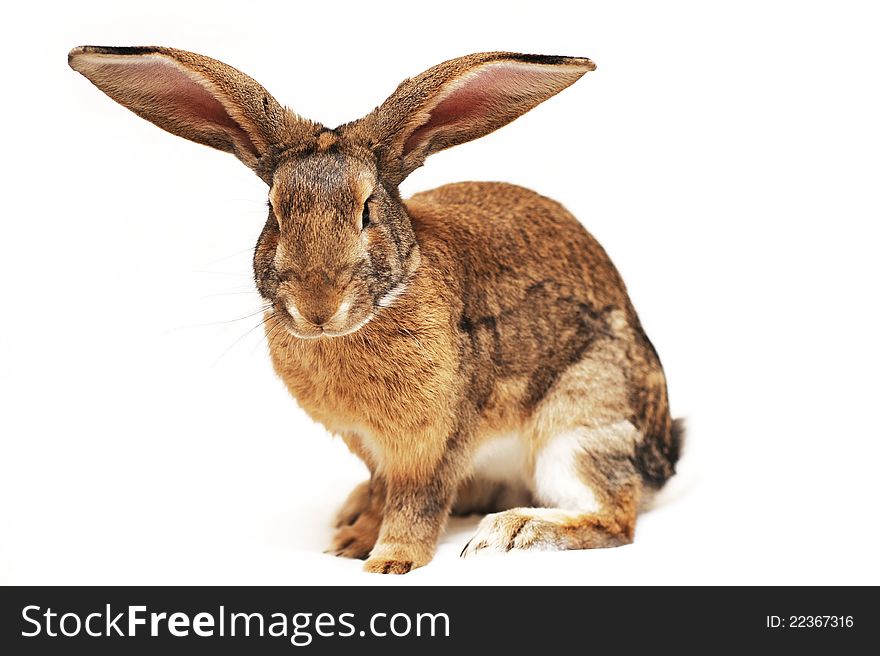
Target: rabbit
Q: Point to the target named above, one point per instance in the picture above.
(473, 345)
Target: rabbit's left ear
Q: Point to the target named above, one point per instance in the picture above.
(190, 95)
(460, 100)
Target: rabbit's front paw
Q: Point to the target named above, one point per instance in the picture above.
(357, 540)
(356, 504)
(396, 558)
(386, 566)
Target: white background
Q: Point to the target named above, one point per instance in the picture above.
(725, 153)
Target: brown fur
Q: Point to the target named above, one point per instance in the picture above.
(420, 330)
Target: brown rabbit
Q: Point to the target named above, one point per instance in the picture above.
(474, 345)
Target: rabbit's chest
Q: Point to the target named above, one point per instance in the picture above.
(388, 392)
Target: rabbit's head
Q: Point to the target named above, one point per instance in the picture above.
(338, 245)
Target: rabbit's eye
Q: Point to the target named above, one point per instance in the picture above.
(365, 217)
(273, 215)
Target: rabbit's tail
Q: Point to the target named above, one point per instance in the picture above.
(659, 451)
(677, 435)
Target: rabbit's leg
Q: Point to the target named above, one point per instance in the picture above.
(590, 490)
(359, 520)
(483, 495)
(415, 514)
(360, 517)
(416, 509)
(359, 501)
(355, 505)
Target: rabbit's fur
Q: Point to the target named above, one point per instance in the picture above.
(473, 345)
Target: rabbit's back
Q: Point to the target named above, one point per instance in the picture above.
(510, 240)
(540, 311)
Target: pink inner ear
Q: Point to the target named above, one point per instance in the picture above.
(495, 93)
(166, 90)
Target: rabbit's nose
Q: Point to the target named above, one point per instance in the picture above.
(316, 311)
(317, 317)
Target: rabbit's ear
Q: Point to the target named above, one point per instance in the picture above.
(190, 95)
(461, 100)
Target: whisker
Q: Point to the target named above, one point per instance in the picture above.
(222, 273)
(229, 257)
(249, 291)
(261, 203)
(287, 350)
(228, 348)
(267, 336)
(263, 309)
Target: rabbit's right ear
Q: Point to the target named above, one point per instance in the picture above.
(192, 96)
(460, 100)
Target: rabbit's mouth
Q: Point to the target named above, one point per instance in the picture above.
(348, 331)
(344, 321)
